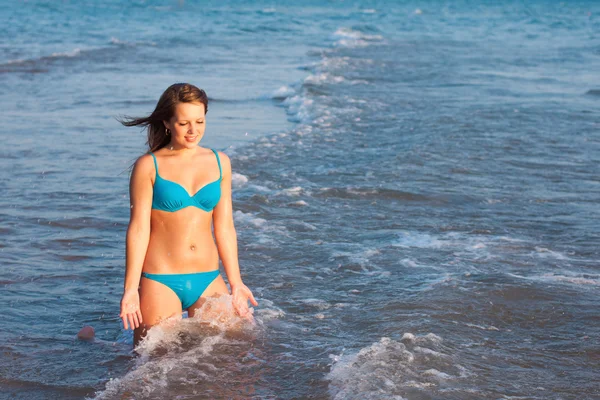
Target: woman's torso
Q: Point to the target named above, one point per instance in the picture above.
(181, 239)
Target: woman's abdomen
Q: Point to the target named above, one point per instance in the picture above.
(181, 242)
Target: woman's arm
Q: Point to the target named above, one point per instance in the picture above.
(226, 239)
(138, 237)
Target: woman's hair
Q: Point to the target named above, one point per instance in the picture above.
(165, 108)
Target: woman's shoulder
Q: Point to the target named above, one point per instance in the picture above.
(222, 155)
(144, 164)
(145, 160)
(224, 160)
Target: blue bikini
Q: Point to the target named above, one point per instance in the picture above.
(188, 287)
(170, 196)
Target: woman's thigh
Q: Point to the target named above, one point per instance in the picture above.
(157, 302)
(216, 288)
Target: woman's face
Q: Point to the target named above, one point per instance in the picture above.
(187, 125)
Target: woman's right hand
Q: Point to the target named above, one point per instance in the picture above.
(130, 309)
(241, 294)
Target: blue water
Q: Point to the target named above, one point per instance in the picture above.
(416, 194)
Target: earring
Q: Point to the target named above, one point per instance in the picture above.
(167, 131)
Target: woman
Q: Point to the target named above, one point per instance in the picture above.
(172, 261)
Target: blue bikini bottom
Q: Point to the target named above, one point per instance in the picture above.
(188, 287)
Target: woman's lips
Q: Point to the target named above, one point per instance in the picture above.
(190, 138)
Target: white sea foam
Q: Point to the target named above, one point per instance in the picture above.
(485, 328)
(249, 219)
(543, 252)
(299, 107)
(353, 38)
(389, 369)
(360, 258)
(479, 246)
(359, 262)
(430, 352)
(416, 239)
(69, 54)
(16, 61)
(566, 277)
(283, 92)
(328, 63)
(260, 188)
(299, 203)
(323, 77)
(354, 34)
(267, 314)
(437, 374)
(180, 352)
(301, 225)
(238, 180)
(266, 233)
(316, 303)
(577, 280)
(492, 201)
(115, 40)
(409, 263)
(293, 191)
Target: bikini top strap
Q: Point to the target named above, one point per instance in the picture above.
(155, 164)
(218, 162)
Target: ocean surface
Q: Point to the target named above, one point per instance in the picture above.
(416, 197)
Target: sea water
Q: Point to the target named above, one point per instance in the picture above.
(415, 192)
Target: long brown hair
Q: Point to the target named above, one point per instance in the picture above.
(165, 108)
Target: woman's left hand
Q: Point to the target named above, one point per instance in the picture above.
(241, 294)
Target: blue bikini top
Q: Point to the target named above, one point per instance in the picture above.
(171, 196)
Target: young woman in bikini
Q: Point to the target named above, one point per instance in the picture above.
(177, 191)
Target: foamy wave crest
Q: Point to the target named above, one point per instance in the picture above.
(323, 78)
(293, 191)
(566, 277)
(299, 203)
(421, 240)
(264, 232)
(584, 279)
(353, 38)
(543, 252)
(283, 92)
(26, 61)
(391, 369)
(299, 108)
(249, 219)
(267, 312)
(201, 356)
(238, 180)
(484, 245)
(67, 54)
